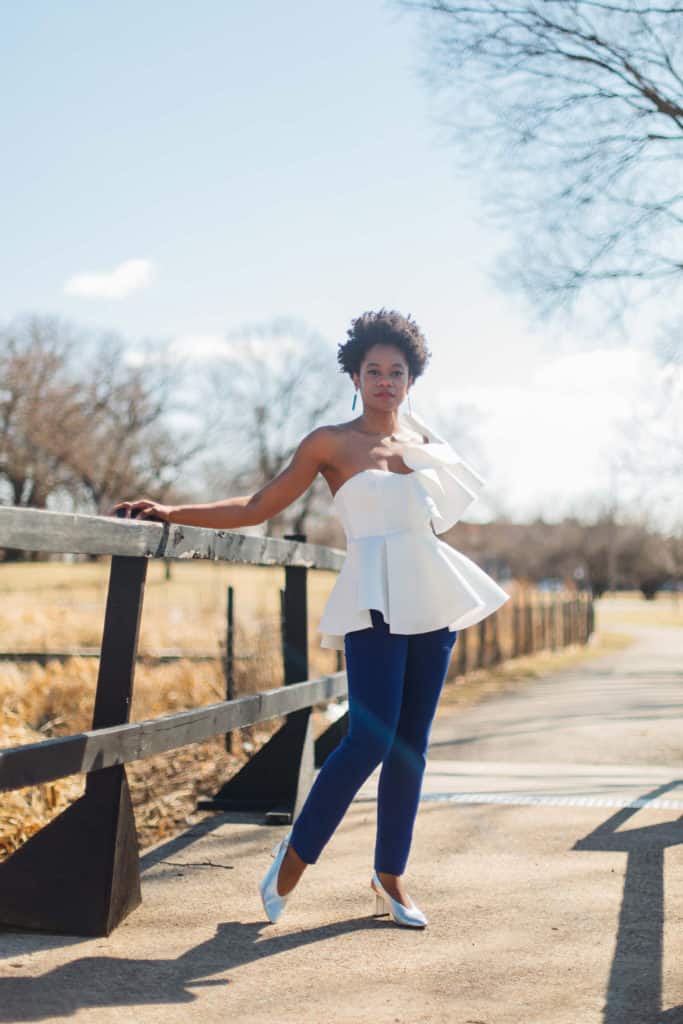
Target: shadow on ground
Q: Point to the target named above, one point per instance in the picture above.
(634, 988)
(105, 981)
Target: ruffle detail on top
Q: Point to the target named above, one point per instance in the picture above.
(394, 561)
(449, 481)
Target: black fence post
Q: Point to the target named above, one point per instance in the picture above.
(543, 621)
(566, 623)
(461, 652)
(277, 778)
(80, 874)
(553, 622)
(230, 659)
(516, 639)
(496, 657)
(529, 627)
(590, 617)
(481, 653)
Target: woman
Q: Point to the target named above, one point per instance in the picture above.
(395, 608)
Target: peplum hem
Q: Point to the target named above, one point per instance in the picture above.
(418, 582)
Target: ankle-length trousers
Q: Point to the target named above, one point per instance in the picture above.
(394, 684)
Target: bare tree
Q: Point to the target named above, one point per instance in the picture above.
(38, 405)
(76, 418)
(273, 384)
(574, 109)
(131, 445)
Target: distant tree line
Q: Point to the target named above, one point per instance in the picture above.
(600, 554)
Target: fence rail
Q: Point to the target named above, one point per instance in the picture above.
(524, 626)
(79, 875)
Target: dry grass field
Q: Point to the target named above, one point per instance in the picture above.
(55, 606)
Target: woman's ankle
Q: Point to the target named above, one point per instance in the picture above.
(293, 864)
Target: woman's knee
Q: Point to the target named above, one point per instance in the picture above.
(410, 745)
(366, 749)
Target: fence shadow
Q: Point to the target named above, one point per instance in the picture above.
(634, 988)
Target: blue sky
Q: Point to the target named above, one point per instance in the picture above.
(220, 164)
(268, 158)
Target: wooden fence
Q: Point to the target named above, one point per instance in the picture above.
(524, 625)
(79, 875)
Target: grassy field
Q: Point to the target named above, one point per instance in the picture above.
(632, 610)
(53, 606)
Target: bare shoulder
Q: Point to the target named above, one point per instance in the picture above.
(334, 437)
(318, 446)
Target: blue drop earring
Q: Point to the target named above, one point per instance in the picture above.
(355, 396)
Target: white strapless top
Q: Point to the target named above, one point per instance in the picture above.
(394, 561)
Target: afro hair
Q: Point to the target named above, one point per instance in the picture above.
(385, 327)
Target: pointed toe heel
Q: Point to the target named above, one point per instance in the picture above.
(411, 917)
(273, 903)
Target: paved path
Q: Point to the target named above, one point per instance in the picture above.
(548, 855)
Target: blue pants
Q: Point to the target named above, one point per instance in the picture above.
(394, 683)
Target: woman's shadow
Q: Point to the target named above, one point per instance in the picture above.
(119, 981)
(99, 981)
(634, 989)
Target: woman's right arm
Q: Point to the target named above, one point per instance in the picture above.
(252, 509)
(229, 514)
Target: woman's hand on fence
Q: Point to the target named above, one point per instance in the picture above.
(143, 509)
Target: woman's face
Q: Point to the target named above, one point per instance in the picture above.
(384, 371)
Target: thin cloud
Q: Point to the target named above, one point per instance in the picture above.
(129, 276)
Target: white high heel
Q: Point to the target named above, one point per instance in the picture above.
(273, 903)
(385, 904)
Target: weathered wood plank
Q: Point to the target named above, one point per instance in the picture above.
(42, 657)
(32, 529)
(34, 763)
